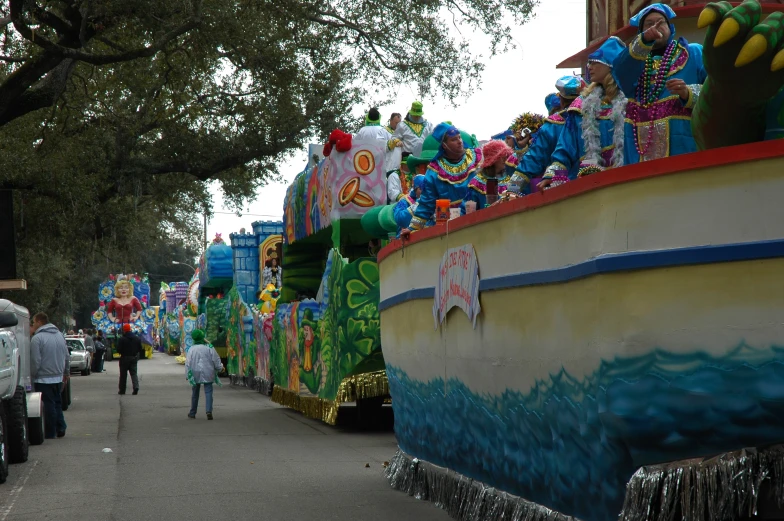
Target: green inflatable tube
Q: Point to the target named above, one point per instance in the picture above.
(372, 225)
(386, 218)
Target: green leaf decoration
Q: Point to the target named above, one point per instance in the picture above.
(357, 293)
(368, 270)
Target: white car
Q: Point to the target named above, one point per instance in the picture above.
(81, 357)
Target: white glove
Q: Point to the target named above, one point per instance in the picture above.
(516, 183)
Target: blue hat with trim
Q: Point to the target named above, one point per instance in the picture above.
(442, 131)
(569, 87)
(552, 102)
(663, 9)
(608, 52)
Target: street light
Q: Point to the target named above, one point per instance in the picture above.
(185, 264)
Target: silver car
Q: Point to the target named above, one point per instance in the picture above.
(81, 357)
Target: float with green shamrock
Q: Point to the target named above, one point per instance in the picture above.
(325, 342)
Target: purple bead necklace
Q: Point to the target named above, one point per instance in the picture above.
(649, 87)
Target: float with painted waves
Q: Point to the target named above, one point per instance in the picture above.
(614, 345)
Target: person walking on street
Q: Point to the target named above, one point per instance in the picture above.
(202, 365)
(100, 352)
(50, 367)
(129, 347)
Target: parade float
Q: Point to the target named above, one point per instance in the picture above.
(617, 346)
(236, 307)
(324, 340)
(216, 278)
(125, 299)
(178, 314)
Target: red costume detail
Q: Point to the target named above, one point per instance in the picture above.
(123, 313)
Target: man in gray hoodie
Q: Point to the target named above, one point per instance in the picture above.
(50, 367)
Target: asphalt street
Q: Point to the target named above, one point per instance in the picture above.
(256, 460)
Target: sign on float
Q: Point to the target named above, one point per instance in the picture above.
(458, 284)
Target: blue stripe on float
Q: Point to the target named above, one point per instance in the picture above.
(412, 294)
(614, 262)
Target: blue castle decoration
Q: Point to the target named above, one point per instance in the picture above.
(245, 248)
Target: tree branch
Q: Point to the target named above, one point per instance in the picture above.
(43, 94)
(143, 52)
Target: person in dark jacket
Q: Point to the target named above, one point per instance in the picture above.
(129, 347)
(100, 352)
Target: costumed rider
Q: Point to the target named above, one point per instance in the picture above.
(662, 77)
(374, 130)
(405, 208)
(394, 121)
(519, 137)
(495, 155)
(447, 177)
(412, 131)
(272, 274)
(538, 157)
(593, 136)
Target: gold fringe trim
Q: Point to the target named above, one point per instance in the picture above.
(180, 360)
(310, 406)
(366, 385)
(351, 389)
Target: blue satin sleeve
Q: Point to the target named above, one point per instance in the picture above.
(427, 201)
(570, 146)
(537, 159)
(628, 66)
(402, 214)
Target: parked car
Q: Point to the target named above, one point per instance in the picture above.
(81, 357)
(21, 409)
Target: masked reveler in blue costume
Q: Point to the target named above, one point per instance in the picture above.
(537, 158)
(662, 77)
(405, 208)
(448, 175)
(593, 136)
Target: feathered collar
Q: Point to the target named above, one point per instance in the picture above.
(591, 108)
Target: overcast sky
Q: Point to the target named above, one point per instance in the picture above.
(513, 83)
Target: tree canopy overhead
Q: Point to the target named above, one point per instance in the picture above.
(114, 113)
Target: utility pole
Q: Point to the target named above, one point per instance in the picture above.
(205, 229)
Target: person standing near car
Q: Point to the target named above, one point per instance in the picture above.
(88, 340)
(100, 351)
(89, 344)
(50, 367)
(129, 347)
